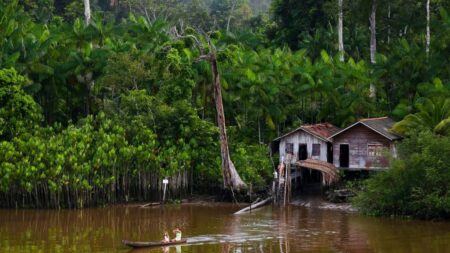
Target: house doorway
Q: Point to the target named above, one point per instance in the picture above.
(302, 152)
(344, 155)
(329, 153)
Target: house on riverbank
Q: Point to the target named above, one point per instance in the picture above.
(324, 149)
(308, 147)
(365, 145)
(307, 142)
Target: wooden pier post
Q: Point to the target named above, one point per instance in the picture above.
(287, 181)
(289, 193)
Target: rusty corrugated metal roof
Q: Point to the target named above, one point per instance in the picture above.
(321, 130)
(380, 125)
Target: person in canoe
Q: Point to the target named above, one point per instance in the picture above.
(166, 237)
(177, 233)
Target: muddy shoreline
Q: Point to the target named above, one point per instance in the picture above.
(211, 200)
(325, 205)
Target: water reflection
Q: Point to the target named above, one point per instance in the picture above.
(213, 228)
(177, 249)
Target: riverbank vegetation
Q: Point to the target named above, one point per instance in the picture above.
(416, 184)
(101, 101)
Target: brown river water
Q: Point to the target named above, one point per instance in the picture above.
(212, 227)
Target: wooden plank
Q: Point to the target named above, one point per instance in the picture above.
(151, 204)
(254, 206)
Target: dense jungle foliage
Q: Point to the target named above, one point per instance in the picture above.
(99, 110)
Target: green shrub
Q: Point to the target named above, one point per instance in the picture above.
(252, 163)
(416, 185)
(19, 113)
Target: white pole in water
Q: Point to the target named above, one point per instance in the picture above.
(165, 182)
(274, 189)
(250, 197)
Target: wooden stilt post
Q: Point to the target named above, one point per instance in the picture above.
(287, 180)
(279, 196)
(289, 187)
(274, 191)
(284, 188)
(288, 167)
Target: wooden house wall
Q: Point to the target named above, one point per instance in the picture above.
(358, 138)
(301, 137)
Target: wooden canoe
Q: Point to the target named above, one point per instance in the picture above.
(152, 244)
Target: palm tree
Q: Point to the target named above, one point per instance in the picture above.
(433, 115)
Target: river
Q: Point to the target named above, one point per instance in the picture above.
(212, 227)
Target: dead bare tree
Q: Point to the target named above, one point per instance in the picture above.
(231, 177)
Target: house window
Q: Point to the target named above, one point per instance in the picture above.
(316, 150)
(289, 148)
(374, 150)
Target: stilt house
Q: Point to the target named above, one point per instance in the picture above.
(366, 144)
(307, 142)
(314, 153)
(309, 147)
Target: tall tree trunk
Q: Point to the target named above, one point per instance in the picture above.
(230, 15)
(87, 12)
(373, 42)
(427, 50)
(389, 24)
(340, 32)
(231, 177)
